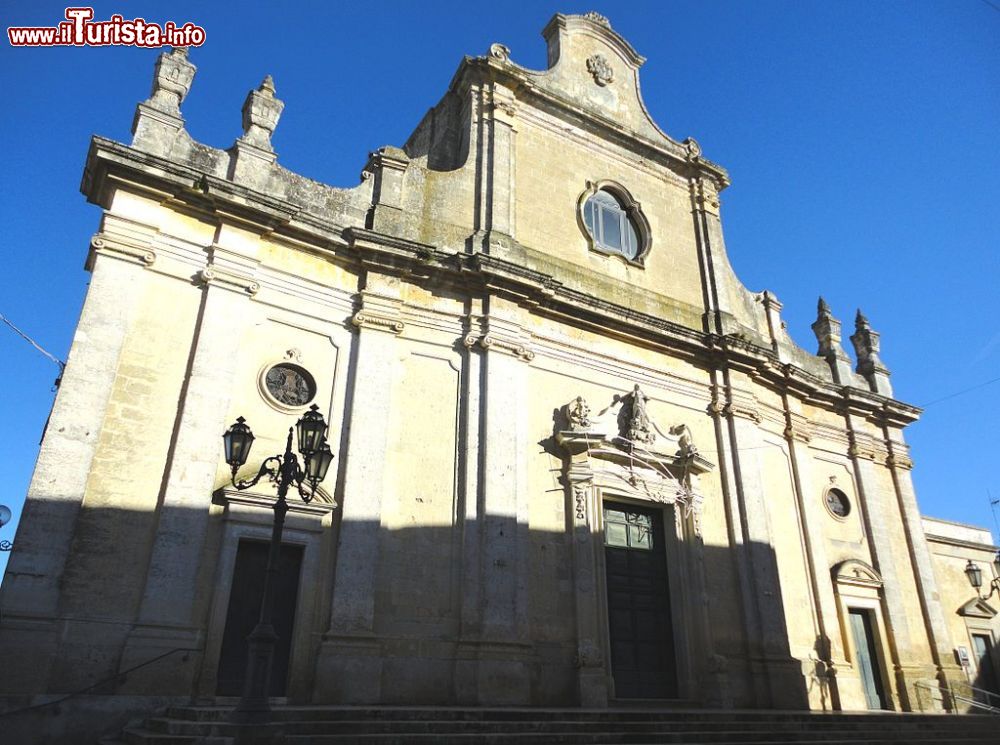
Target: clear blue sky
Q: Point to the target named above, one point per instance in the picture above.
(862, 139)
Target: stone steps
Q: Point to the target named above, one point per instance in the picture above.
(318, 725)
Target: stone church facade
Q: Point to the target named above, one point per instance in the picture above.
(577, 462)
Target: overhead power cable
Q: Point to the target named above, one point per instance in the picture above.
(36, 345)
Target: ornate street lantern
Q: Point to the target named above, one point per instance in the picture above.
(237, 440)
(318, 464)
(975, 575)
(284, 471)
(311, 431)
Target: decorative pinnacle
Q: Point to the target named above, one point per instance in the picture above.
(860, 321)
(822, 308)
(267, 85)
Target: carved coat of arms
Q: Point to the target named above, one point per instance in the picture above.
(601, 69)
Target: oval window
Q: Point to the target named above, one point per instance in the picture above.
(610, 225)
(838, 503)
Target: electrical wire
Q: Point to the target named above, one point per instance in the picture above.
(32, 342)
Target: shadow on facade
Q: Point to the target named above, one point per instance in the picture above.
(488, 612)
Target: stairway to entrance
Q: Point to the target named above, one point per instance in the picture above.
(327, 725)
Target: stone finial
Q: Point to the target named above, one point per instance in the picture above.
(158, 124)
(828, 334)
(172, 80)
(866, 347)
(261, 112)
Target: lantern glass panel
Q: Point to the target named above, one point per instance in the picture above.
(975, 575)
(311, 429)
(318, 464)
(237, 441)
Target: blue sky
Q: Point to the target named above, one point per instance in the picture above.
(862, 139)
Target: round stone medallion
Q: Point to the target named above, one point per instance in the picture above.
(290, 384)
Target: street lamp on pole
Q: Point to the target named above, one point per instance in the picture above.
(5, 516)
(975, 576)
(283, 471)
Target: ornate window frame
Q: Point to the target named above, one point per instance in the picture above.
(292, 358)
(847, 500)
(633, 211)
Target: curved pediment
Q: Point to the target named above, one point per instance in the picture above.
(855, 572)
(595, 69)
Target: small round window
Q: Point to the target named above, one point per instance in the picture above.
(610, 225)
(290, 384)
(838, 503)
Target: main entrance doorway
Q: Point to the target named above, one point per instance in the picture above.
(868, 664)
(244, 611)
(643, 661)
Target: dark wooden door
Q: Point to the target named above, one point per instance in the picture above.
(867, 658)
(639, 624)
(986, 677)
(244, 610)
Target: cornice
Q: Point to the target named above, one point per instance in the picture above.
(182, 187)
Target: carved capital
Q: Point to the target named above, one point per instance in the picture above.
(137, 254)
(705, 193)
(212, 275)
(368, 320)
(898, 460)
(861, 446)
(743, 411)
(515, 348)
(797, 432)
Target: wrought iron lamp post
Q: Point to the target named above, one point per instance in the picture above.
(5, 516)
(283, 471)
(975, 577)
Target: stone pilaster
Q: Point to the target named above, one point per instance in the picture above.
(387, 167)
(900, 465)
(466, 658)
(827, 330)
(31, 587)
(505, 655)
(158, 122)
(167, 617)
(777, 678)
(349, 668)
(495, 227)
(829, 648)
(775, 326)
(878, 515)
(582, 507)
(705, 207)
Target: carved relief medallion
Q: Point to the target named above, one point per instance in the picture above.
(600, 68)
(290, 384)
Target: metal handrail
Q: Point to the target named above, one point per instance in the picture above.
(959, 697)
(989, 694)
(117, 678)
